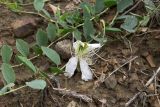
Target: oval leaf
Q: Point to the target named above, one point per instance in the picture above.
(38, 4)
(8, 73)
(110, 3)
(77, 34)
(51, 31)
(22, 47)
(28, 63)
(5, 88)
(99, 6)
(52, 55)
(41, 38)
(6, 53)
(130, 24)
(37, 84)
(123, 4)
(88, 28)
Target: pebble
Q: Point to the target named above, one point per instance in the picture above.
(111, 82)
(24, 26)
(64, 48)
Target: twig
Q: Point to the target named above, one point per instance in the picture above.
(132, 99)
(146, 85)
(105, 60)
(34, 13)
(132, 7)
(155, 89)
(112, 22)
(152, 78)
(18, 65)
(13, 90)
(85, 98)
(27, 4)
(76, 95)
(121, 66)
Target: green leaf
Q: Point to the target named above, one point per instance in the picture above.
(88, 29)
(13, 6)
(37, 84)
(130, 23)
(8, 73)
(88, 10)
(73, 17)
(41, 38)
(5, 88)
(111, 29)
(6, 53)
(22, 47)
(122, 17)
(56, 70)
(110, 3)
(51, 31)
(123, 4)
(150, 6)
(145, 21)
(28, 63)
(99, 6)
(38, 4)
(77, 34)
(101, 40)
(46, 13)
(52, 55)
(37, 50)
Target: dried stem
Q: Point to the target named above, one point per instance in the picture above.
(146, 85)
(122, 66)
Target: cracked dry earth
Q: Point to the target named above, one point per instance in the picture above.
(115, 91)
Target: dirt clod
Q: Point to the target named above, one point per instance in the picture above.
(111, 82)
(24, 26)
(64, 48)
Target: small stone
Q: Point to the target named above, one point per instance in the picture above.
(91, 105)
(64, 48)
(126, 52)
(111, 82)
(86, 86)
(11, 41)
(155, 103)
(134, 77)
(73, 104)
(151, 87)
(24, 26)
(135, 86)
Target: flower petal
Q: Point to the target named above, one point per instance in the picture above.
(86, 71)
(94, 46)
(71, 66)
(76, 44)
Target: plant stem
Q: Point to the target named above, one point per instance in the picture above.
(38, 14)
(112, 22)
(94, 17)
(13, 90)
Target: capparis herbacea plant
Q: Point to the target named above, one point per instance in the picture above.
(82, 51)
(61, 27)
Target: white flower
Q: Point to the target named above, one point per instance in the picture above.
(82, 51)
